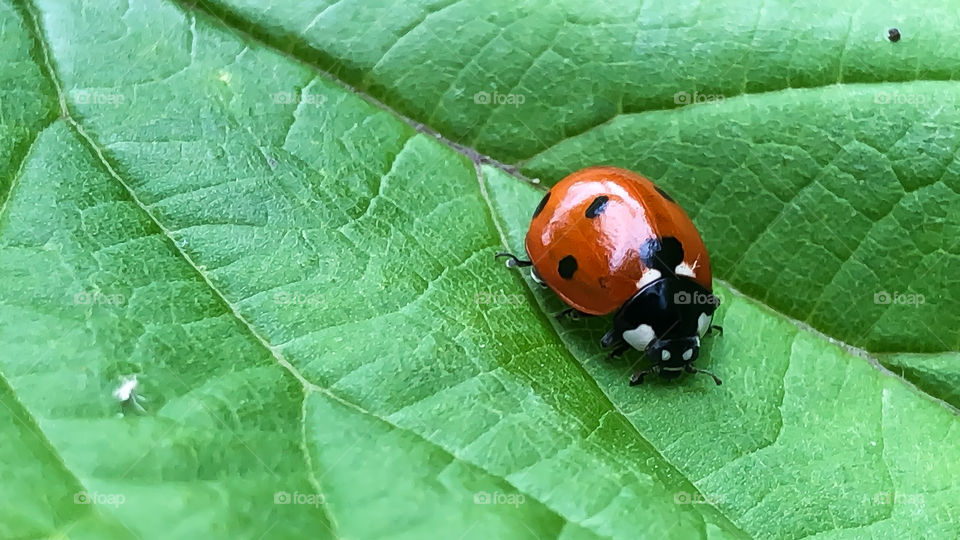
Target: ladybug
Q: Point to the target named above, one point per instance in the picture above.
(607, 240)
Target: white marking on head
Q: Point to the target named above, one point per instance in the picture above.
(684, 269)
(648, 277)
(640, 337)
(703, 323)
(688, 354)
(664, 355)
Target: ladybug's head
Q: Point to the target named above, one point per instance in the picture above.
(665, 320)
(671, 357)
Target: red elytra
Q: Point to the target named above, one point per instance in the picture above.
(587, 234)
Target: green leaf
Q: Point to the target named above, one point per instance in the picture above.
(799, 423)
(302, 284)
(817, 198)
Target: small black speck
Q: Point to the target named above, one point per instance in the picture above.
(543, 202)
(567, 266)
(596, 207)
(893, 35)
(663, 193)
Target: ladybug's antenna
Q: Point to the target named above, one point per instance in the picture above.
(513, 261)
(691, 369)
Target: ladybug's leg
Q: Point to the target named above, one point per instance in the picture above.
(572, 313)
(619, 350)
(513, 261)
(637, 377)
(690, 369)
(614, 339)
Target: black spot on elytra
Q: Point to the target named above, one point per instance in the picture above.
(543, 202)
(663, 254)
(663, 194)
(596, 207)
(893, 35)
(567, 266)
